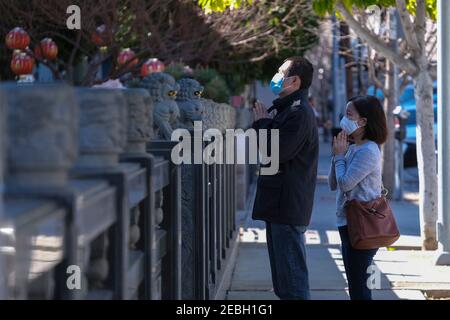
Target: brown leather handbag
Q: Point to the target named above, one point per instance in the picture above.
(371, 224)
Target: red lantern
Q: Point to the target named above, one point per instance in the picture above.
(101, 36)
(151, 66)
(17, 39)
(22, 64)
(127, 57)
(47, 49)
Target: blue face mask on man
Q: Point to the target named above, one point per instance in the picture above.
(276, 85)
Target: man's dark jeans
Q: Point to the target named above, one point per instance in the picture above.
(287, 255)
(356, 264)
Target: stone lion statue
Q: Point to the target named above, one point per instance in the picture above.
(189, 102)
(163, 89)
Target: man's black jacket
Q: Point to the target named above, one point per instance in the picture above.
(287, 197)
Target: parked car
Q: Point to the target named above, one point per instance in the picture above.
(410, 155)
(410, 158)
(408, 102)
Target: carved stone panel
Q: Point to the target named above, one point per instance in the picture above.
(103, 126)
(139, 113)
(42, 133)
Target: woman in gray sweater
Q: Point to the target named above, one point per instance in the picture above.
(356, 174)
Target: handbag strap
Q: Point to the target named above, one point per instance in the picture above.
(384, 191)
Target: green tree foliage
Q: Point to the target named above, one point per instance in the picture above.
(281, 28)
(176, 70)
(242, 39)
(221, 5)
(323, 7)
(215, 85)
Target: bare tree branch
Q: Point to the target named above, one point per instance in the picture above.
(375, 42)
(420, 29)
(408, 26)
(372, 76)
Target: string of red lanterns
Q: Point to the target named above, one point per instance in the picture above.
(22, 62)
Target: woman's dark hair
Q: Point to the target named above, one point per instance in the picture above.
(369, 107)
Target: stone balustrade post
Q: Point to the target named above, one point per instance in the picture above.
(102, 138)
(42, 133)
(140, 118)
(103, 121)
(42, 140)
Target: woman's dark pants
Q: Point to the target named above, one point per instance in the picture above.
(356, 264)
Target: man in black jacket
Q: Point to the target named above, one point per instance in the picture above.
(285, 200)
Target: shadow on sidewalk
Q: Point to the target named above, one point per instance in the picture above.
(252, 277)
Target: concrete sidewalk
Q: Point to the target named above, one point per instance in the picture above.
(406, 272)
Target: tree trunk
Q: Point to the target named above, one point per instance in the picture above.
(389, 146)
(426, 158)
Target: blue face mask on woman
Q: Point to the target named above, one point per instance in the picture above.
(276, 85)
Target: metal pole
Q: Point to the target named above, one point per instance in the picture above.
(443, 224)
(335, 74)
(338, 78)
(395, 26)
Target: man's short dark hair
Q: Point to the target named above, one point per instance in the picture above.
(302, 68)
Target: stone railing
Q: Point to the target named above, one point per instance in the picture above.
(93, 207)
(208, 202)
